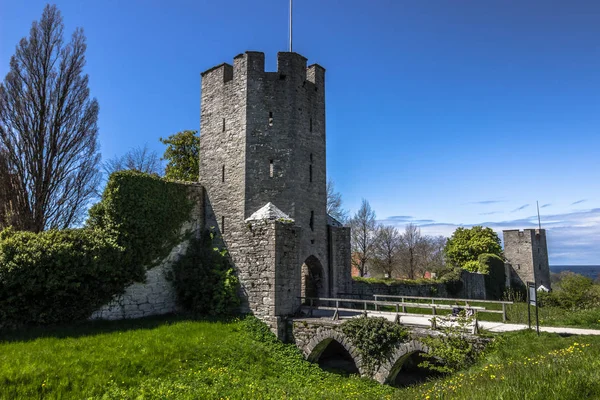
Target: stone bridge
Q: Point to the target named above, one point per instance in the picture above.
(322, 341)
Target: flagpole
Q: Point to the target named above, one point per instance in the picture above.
(290, 26)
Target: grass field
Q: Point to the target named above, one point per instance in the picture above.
(179, 358)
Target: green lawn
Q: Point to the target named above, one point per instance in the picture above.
(178, 358)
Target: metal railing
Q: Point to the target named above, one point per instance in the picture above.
(337, 304)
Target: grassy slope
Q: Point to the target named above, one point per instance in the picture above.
(179, 359)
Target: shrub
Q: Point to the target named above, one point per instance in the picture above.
(452, 350)
(576, 291)
(57, 276)
(145, 213)
(204, 279)
(472, 266)
(373, 338)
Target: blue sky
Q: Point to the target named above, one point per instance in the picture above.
(445, 113)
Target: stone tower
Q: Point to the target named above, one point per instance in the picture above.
(263, 141)
(526, 253)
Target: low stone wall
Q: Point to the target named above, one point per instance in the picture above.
(472, 287)
(156, 295)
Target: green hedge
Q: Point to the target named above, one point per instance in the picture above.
(61, 276)
(145, 213)
(57, 276)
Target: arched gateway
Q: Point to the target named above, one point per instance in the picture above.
(312, 278)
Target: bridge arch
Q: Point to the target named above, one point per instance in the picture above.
(330, 339)
(389, 370)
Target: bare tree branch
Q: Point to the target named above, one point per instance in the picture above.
(334, 203)
(387, 249)
(363, 237)
(48, 129)
(139, 159)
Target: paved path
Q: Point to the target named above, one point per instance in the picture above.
(496, 327)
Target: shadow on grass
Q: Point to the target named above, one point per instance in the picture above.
(96, 327)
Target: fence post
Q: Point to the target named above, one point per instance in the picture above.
(476, 326)
(311, 307)
(433, 310)
(336, 314)
(403, 306)
(503, 312)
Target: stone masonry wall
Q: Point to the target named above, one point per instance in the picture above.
(473, 287)
(526, 253)
(340, 253)
(156, 296)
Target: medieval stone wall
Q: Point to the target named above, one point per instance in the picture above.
(340, 253)
(473, 287)
(156, 295)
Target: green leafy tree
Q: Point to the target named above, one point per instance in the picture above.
(182, 155)
(466, 245)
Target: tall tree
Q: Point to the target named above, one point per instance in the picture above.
(411, 250)
(468, 244)
(139, 159)
(334, 203)
(182, 155)
(434, 254)
(364, 236)
(386, 249)
(48, 130)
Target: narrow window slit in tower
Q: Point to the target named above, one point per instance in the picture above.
(311, 125)
(270, 118)
(223, 124)
(281, 77)
(271, 168)
(310, 173)
(223, 173)
(222, 224)
(311, 158)
(312, 220)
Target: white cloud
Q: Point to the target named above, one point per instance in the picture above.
(573, 238)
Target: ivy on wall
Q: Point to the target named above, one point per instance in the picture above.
(205, 280)
(374, 338)
(60, 276)
(145, 213)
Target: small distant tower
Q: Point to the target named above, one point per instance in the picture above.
(526, 255)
